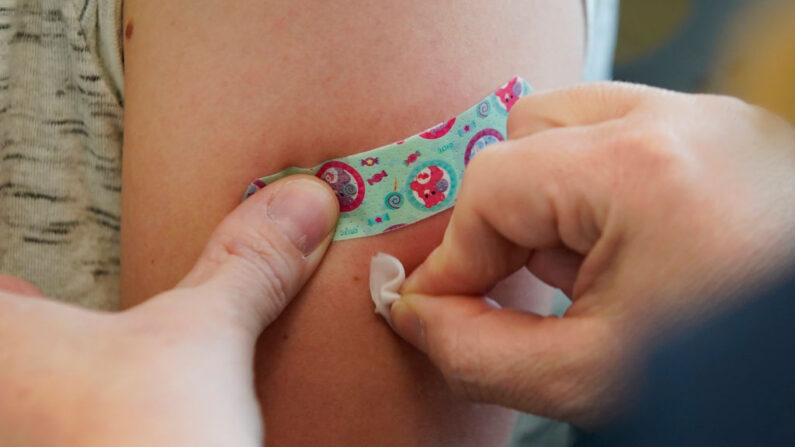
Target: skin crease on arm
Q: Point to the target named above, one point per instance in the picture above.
(219, 93)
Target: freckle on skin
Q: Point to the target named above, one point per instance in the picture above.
(128, 31)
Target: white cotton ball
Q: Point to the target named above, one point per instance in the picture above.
(386, 276)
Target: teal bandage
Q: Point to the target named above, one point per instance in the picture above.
(396, 185)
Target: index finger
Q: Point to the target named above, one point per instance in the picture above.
(580, 105)
(546, 188)
(531, 194)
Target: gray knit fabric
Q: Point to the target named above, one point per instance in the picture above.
(60, 147)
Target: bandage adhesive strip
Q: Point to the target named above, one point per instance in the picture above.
(389, 187)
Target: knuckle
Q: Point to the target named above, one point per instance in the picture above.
(620, 97)
(721, 102)
(652, 168)
(260, 259)
(652, 152)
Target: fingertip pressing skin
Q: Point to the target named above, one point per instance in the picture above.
(18, 286)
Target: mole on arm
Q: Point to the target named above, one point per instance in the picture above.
(128, 30)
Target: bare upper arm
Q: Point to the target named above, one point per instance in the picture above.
(218, 93)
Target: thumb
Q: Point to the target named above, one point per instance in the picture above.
(261, 255)
(548, 366)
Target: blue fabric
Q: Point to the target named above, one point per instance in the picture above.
(728, 383)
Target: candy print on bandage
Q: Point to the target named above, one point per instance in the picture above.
(412, 158)
(370, 161)
(467, 128)
(424, 170)
(378, 219)
(376, 178)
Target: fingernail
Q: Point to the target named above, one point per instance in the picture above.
(408, 324)
(305, 212)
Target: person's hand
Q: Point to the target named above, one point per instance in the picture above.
(642, 205)
(178, 369)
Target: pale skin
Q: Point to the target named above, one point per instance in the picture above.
(218, 95)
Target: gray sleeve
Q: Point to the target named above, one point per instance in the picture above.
(101, 21)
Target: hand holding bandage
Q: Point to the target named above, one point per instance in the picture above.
(640, 204)
(176, 370)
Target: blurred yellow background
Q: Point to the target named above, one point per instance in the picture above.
(744, 48)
